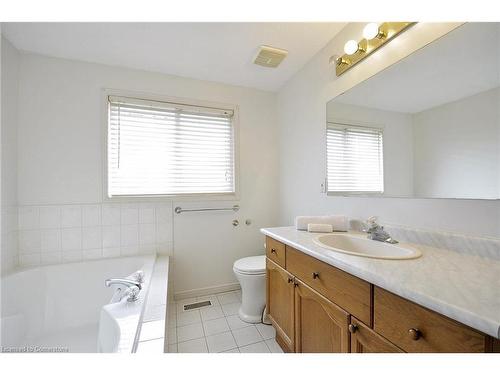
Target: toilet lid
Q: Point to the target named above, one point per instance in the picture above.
(251, 265)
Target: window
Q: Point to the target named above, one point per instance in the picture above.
(354, 159)
(159, 148)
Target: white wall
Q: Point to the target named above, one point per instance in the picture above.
(398, 142)
(9, 76)
(61, 159)
(456, 148)
(302, 116)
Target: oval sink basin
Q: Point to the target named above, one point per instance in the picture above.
(364, 247)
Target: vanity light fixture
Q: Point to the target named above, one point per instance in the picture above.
(374, 37)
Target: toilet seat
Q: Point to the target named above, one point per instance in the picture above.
(251, 265)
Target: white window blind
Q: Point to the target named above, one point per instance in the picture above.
(354, 159)
(157, 148)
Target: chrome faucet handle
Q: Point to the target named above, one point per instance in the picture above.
(133, 294)
(138, 276)
(372, 224)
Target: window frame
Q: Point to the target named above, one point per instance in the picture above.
(232, 196)
(357, 124)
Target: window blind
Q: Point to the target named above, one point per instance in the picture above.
(157, 148)
(354, 159)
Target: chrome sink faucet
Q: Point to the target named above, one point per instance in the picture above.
(376, 232)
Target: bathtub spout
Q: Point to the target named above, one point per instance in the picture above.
(126, 282)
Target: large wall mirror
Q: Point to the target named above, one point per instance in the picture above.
(426, 127)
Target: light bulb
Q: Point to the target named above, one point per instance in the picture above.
(351, 47)
(371, 31)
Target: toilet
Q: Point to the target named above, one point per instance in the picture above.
(251, 273)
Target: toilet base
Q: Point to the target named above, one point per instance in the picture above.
(249, 318)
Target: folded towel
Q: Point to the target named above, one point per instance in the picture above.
(319, 228)
(340, 223)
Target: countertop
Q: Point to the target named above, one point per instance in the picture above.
(463, 287)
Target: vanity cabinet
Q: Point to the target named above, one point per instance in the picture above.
(320, 325)
(317, 308)
(280, 304)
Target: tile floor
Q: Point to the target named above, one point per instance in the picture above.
(217, 328)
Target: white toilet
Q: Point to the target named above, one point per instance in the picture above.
(251, 273)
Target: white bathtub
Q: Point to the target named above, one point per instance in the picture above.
(58, 307)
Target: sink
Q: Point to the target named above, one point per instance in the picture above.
(364, 247)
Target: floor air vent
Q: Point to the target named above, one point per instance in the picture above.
(197, 305)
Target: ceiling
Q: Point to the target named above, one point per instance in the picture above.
(460, 64)
(221, 52)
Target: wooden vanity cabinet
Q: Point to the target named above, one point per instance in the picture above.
(365, 340)
(320, 325)
(280, 304)
(317, 308)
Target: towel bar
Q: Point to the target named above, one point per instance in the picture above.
(179, 210)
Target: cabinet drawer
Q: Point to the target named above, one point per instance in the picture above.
(416, 329)
(275, 251)
(347, 291)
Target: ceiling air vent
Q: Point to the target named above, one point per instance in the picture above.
(270, 57)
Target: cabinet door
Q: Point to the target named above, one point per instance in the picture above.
(365, 340)
(320, 325)
(279, 301)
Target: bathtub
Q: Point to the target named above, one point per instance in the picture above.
(67, 307)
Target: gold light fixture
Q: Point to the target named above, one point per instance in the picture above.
(374, 37)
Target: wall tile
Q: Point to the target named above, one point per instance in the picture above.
(51, 258)
(50, 240)
(147, 234)
(71, 216)
(28, 218)
(91, 215)
(92, 237)
(71, 239)
(72, 256)
(111, 214)
(27, 260)
(129, 235)
(50, 217)
(163, 232)
(164, 212)
(111, 236)
(146, 213)
(111, 252)
(129, 214)
(129, 250)
(29, 241)
(92, 254)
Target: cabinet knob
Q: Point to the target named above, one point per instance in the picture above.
(273, 251)
(415, 333)
(290, 280)
(315, 275)
(352, 328)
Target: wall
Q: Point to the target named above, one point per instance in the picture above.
(456, 148)
(302, 116)
(9, 94)
(61, 176)
(398, 142)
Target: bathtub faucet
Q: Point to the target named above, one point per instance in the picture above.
(134, 287)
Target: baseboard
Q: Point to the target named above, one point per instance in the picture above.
(205, 291)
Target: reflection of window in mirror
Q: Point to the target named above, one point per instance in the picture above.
(355, 162)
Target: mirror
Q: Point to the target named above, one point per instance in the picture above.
(426, 127)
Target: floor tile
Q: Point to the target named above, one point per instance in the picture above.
(266, 331)
(193, 346)
(228, 297)
(235, 350)
(180, 304)
(151, 346)
(220, 342)
(231, 308)
(210, 313)
(273, 346)
(188, 317)
(246, 336)
(152, 330)
(190, 332)
(215, 326)
(235, 322)
(259, 347)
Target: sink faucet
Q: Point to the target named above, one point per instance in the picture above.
(376, 232)
(134, 287)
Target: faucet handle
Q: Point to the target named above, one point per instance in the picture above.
(133, 294)
(138, 276)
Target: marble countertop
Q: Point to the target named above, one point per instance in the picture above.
(463, 287)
